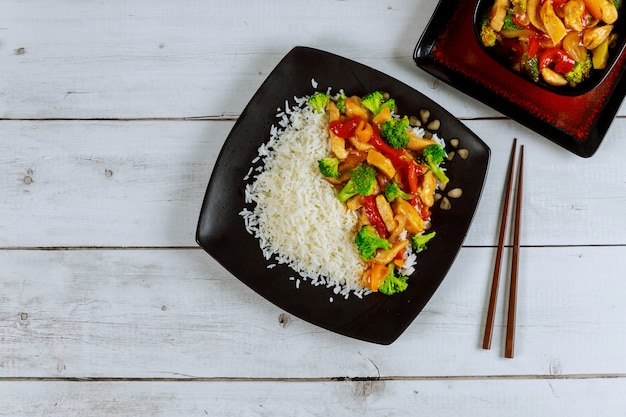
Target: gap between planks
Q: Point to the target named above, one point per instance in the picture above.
(318, 379)
(219, 118)
(193, 247)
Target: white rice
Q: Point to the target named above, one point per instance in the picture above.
(297, 218)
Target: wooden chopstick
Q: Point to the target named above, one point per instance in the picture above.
(510, 327)
(496, 272)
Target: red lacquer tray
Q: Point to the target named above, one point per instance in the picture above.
(578, 121)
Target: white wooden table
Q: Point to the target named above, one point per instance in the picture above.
(112, 114)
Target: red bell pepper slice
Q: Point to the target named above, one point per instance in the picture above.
(533, 46)
(373, 215)
(395, 155)
(414, 173)
(345, 129)
(563, 63)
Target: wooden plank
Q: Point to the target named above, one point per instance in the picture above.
(444, 398)
(114, 183)
(568, 200)
(177, 313)
(105, 184)
(191, 58)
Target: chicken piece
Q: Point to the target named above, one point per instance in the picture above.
(417, 143)
(385, 256)
(593, 37)
(333, 112)
(385, 211)
(572, 43)
(498, 13)
(355, 202)
(553, 78)
(358, 145)
(381, 162)
(338, 146)
(573, 13)
(603, 10)
(383, 116)
(354, 108)
(414, 222)
(427, 190)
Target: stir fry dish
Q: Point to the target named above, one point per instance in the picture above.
(559, 42)
(387, 172)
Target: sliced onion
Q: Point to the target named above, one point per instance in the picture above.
(532, 10)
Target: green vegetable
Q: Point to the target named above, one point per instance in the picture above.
(391, 103)
(319, 101)
(375, 102)
(617, 4)
(419, 241)
(509, 24)
(433, 156)
(329, 167)
(341, 103)
(362, 181)
(487, 35)
(372, 101)
(367, 242)
(394, 132)
(393, 283)
(581, 72)
(393, 191)
(530, 67)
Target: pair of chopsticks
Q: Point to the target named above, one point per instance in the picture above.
(510, 328)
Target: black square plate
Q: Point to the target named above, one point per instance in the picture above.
(221, 232)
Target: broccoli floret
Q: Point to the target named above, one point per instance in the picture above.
(375, 102)
(391, 103)
(580, 72)
(393, 191)
(341, 103)
(362, 181)
(419, 241)
(393, 283)
(372, 101)
(530, 67)
(368, 242)
(509, 23)
(487, 35)
(617, 4)
(319, 101)
(394, 132)
(329, 167)
(433, 156)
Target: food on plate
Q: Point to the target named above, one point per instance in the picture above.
(559, 42)
(344, 190)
